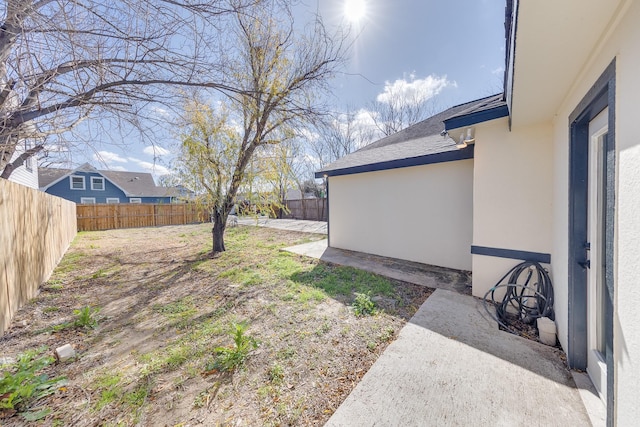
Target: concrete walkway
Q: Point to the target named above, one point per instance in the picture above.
(451, 366)
(318, 227)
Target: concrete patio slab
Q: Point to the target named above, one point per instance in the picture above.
(406, 271)
(451, 366)
(318, 227)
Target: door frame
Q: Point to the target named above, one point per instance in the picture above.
(600, 96)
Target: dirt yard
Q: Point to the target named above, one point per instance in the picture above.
(165, 306)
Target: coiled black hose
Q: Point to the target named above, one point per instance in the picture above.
(528, 290)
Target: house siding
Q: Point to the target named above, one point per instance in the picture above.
(22, 175)
(420, 213)
(63, 189)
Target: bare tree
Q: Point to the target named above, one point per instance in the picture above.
(279, 74)
(398, 110)
(290, 168)
(340, 134)
(63, 61)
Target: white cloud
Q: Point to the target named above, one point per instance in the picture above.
(413, 90)
(108, 157)
(155, 150)
(117, 168)
(308, 134)
(364, 119)
(150, 167)
(498, 71)
(160, 112)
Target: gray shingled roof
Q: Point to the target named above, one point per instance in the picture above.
(421, 139)
(47, 175)
(136, 184)
(432, 144)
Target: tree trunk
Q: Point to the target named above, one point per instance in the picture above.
(219, 225)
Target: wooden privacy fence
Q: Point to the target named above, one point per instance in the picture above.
(310, 209)
(35, 231)
(110, 216)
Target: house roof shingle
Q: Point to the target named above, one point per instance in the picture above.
(418, 141)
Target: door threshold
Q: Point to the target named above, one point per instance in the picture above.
(596, 408)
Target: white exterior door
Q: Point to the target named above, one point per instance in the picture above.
(596, 309)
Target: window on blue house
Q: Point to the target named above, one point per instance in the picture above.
(135, 200)
(113, 200)
(87, 200)
(97, 183)
(77, 182)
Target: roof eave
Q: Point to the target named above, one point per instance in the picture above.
(446, 156)
(476, 117)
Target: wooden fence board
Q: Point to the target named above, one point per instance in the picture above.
(133, 215)
(309, 209)
(35, 231)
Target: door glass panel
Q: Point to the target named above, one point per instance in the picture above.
(600, 230)
(596, 253)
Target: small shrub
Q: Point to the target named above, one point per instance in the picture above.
(86, 317)
(362, 305)
(23, 384)
(232, 357)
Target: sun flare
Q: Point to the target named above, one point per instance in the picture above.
(354, 10)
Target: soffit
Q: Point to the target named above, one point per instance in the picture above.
(554, 41)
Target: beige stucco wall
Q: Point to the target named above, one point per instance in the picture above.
(512, 196)
(622, 42)
(419, 213)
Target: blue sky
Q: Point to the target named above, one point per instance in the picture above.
(450, 50)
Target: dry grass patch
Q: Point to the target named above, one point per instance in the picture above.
(166, 349)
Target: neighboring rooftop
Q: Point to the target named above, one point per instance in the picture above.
(133, 183)
(421, 143)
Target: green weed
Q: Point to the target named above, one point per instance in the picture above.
(86, 317)
(22, 384)
(386, 334)
(362, 305)
(232, 357)
(276, 374)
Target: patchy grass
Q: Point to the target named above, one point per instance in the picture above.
(162, 353)
(70, 262)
